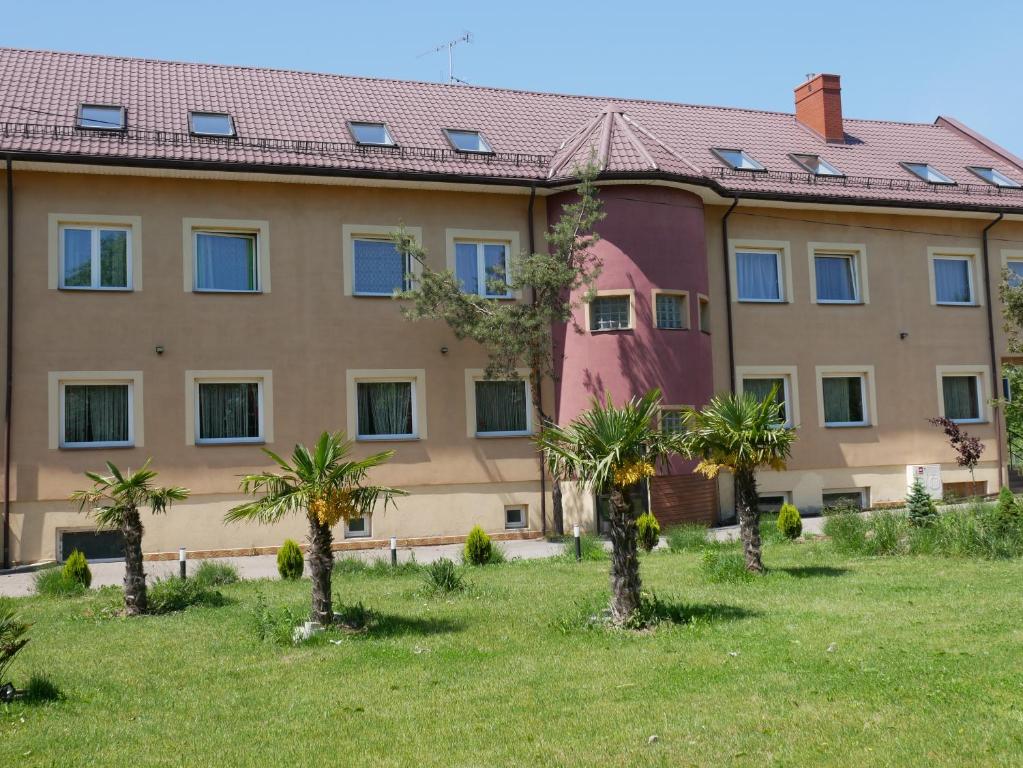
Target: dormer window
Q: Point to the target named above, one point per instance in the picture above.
(737, 160)
(99, 117)
(210, 124)
(991, 176)
(371, 134)
(928, 173)
(816, 165)
(468, 141)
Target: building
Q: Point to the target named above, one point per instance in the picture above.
(200, 268)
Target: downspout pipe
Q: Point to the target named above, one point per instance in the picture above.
(539, 394)
(995, 370)
(728, 291)
(9, 364)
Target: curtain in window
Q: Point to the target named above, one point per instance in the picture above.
(835, 278)
(77, 258)
(95, 413)
(225, 262)
(500, 406)
(495, 262)
(465, 267)
(385, 408)
(761, 388)
(960, 393)
(379, 267)
(843, 400)
(113, 258)
(758, 276)
(952, 280)
(228, 410)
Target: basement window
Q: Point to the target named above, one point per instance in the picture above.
(371, 134)
(99, 117)
(816, 165)
(737, 159)
(928, 173)
(991, 176)
(468, 141)
(210, 124)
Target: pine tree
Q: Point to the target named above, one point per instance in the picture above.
(920, 505)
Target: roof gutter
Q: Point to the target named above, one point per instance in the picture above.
(728, 291)
(9, 364)
(995, 390)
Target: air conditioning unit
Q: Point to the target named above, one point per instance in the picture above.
(929, 475)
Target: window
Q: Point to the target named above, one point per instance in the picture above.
(836, 278)
(961, 397)
(672, 420)
(468, 141)
(671, 309)
(853, 497)
(758, 380)
(515, 517)
(704, 303)
(737, 160)
(482, 268)
(101, 118)
(96, 414)
(95, 258)
(96, 545)
(357, 528)
(375, 134)
(502, 408)
(761, 389)
(991, 176)
(379, 269)
(927, 173)
(226, 261)
(770, 503)
(610, 313)
(210, 124)
(844, 401)
(816, 165)
(1015, 267)
(952, 276)
(229, 412)
(759, 276)
(386, 410)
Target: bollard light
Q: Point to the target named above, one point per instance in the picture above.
(578, 544)
(182, 558)
(394, 550)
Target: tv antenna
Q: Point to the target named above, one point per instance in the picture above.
(466, 38)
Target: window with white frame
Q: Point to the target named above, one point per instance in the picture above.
(371, 134)
(672, 421)
(502, 407)
(483, 268)
(226, 261)
(704, 303)
(671, 310)
(953, 279)
(994, 177)
(210, 124)
(96, 414)
(228, 411)
(759, 275)
(845, 400)
(468, 141)
(515, 517)
(95, 258)
(379, 268)
(610, 313)
(386, 410)
(738, 159)
(928, 173)
(836, 278)
(961, 396)
(760, 387)
(357, 528)
(1014, 265)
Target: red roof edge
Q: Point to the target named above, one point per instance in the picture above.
(976, 138)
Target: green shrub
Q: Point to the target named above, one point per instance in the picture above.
(214, 573)
(12, 636)
(478, 548)
(720, 564)
(888, 530)
(847, 531)
(1008, 512)
(922, 510)
(353, 617)
(790, 524)
(76, 569)
(174, 594)
(273, 626)
(591, 545)
(443, 576)
(648, 530)
(290, 562)
(53, 582)
(687, 537)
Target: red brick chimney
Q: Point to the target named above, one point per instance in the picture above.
(819, 106)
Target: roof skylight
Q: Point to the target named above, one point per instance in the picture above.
(991, 176)
(468, 141)
(737, 159)
(371, 133)
(927, 173)
(210, 124)
(101, 117)
(816, 165)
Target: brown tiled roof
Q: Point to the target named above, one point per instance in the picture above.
(297, 122)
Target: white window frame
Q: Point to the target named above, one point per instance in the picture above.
(703, 303)
(119, 128)
(669, 409)
(263, 378)
(682, 296)
(58, 222)
(857, 253)
(415, 377)
(983, 375)
(944, 181)
(129, 443)
(508, 238)
(756, 165)
(611, 293)
(524, 523)
(260, 229)
(366, 534)
(781, 249)
(789, 382)
(970, 256)
(259, 439)
(94, 231)
(221, 233)
(868, 391)
(352, 232)
(1014, 256)
(1010, 183)
(481, 269)
(205, 112)
(484, 142)
(473, 375)
(387, 132)
(55, 394)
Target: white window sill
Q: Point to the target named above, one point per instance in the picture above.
(669, 328)
(492, 435)
(969, 421)
(96, 289)
(377, 295)
(93, 446)
(232, 441)
(852, 302)
(516, 527)
(763, 301)
(611, 330)
(956, 304)
(386, 438)
(847, 425)
(227, 290)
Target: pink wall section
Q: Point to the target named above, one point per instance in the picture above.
(652, 237)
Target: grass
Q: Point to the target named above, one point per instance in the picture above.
(828, 660)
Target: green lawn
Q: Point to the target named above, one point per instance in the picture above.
(826, 661)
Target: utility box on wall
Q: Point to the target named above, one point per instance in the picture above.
(929, 476)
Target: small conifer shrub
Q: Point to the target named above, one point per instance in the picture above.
(478, 548)
(290, 563)
(920, 505)
(649, 531)
(790, 524)
(76, 570)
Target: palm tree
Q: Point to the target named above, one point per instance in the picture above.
(740, 434)
(611, 450)
(327, 487)
(114, 501)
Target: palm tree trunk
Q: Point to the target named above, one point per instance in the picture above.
(749, 518)
(321, 563)
(135, 599)
(559, 507)
(624, 559)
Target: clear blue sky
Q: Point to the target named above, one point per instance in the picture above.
(899, 59)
